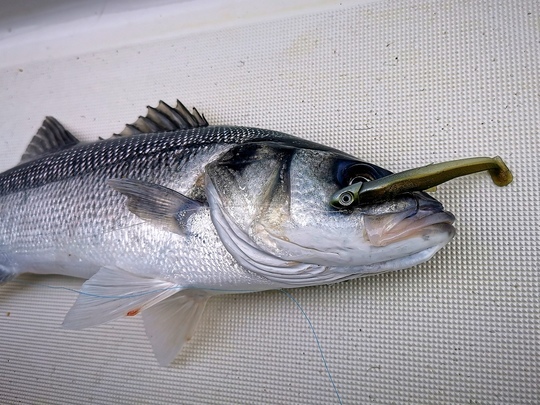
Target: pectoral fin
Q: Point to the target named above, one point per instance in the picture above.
(112, 293)
(171, 323)
(157, 204)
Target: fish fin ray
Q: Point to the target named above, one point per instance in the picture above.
(165, 118)
(113, 293)
(6, 274)
(172, 322)
(51, 137)
(157, 204)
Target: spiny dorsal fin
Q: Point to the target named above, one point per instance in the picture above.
(51, 137)
(165, 118)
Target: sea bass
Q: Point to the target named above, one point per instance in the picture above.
(172, 211)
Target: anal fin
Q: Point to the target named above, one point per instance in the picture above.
(172, 322)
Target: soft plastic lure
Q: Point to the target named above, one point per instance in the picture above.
(419, 179)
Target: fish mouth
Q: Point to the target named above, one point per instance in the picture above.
(426, 218)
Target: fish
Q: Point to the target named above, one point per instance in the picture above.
(173, 211)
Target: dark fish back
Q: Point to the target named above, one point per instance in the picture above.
(83, 159)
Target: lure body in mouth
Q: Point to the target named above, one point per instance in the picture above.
(419, 179)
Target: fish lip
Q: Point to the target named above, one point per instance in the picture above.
(384, 230)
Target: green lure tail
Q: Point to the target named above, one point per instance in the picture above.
(419, 179)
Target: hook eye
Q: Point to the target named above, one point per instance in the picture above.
(346, 198)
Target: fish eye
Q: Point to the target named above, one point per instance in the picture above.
(348, 173)
(358, 179)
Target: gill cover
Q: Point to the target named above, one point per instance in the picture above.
(248, 192)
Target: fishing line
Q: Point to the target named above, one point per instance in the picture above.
(318, 343)
(306, 317)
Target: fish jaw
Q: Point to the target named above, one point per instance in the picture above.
(355, 251)
(375, 234)
(385, 235)
(423, 216)
(347, 273)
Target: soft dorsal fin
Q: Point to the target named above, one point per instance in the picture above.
(165, 118)
(51, 137)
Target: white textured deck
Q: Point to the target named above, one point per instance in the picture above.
(400, 84)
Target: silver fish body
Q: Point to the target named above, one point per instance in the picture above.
(160, 221)
(59, 215)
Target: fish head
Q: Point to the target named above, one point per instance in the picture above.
(271, 206)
